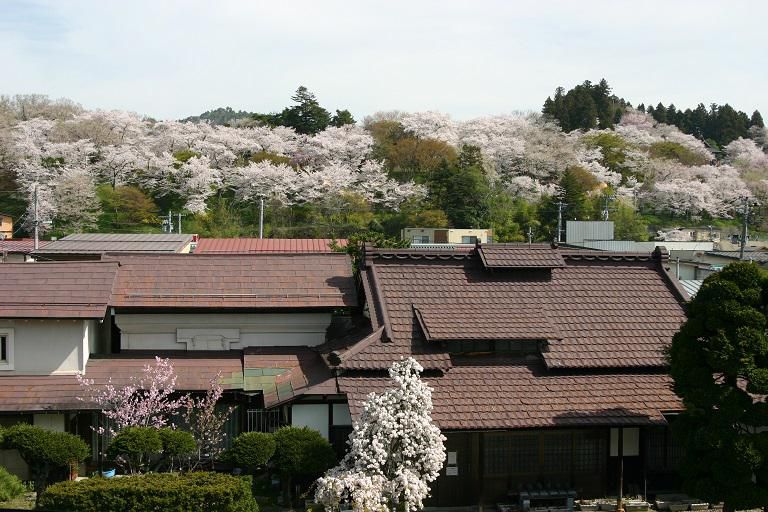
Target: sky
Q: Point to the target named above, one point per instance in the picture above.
(172, 59)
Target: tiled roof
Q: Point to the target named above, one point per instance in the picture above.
(56, 290)
(194, 370)
(282, 373)
(19, 245)
(234, 281)
(520, 256)
(39, 393)
(265, 245)
(749, 255)
(607, 311)
(499, 394)
(83, 243)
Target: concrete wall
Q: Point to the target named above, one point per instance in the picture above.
(14, 258)
(220, 331)
(43, 347)
(454, 236)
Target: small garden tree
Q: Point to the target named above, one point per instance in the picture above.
(146, 401)
(395, 450)
(10, 485)
(251, 450)
(133, 447)
(719, 363)
(178, 446)
(44, 451)
(206, 421)
(301, 453)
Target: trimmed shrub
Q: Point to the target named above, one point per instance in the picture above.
(177, 445)
(44, 450)
(251, 450)
(133, 447)
(302, 452)
(169, 492)
(10, 485)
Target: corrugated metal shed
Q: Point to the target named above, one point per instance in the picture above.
(576, 231)
(691, 286)
(96, 243)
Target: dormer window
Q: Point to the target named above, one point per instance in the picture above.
(6, 349)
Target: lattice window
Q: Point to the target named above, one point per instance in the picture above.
(556, 451)
(507, 452)
(589, 451)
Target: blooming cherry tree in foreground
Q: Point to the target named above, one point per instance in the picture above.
(144, 401)
(395, 450)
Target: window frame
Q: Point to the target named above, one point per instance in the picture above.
(7, 333)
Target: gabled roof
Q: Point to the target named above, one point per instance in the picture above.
(506, 393)
(265, 245)
(96, 243)
(234, 281)
(56, 290)
(597, 310)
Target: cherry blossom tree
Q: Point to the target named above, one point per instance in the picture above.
(145, 401)
(395, 450)
(206, 422)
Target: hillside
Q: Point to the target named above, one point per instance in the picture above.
(117, 171)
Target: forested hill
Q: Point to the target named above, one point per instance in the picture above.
(323, 174)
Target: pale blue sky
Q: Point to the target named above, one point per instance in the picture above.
(170, 59)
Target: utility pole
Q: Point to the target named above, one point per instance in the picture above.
(261, 217)
(36, 221)
(168, 223)
(560, 205)
(606, 201)
(179, 217)
(744, 227)
(530, 235)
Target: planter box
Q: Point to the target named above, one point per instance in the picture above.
(678, 507)
(699, 506)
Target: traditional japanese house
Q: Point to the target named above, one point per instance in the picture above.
(547, 364)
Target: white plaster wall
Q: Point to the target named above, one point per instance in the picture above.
(167, 331)
(48, 346)
(314, 416)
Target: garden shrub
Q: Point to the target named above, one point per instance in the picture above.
(44, 451)
(301, 451)
(10, 485)
(178, 445)
(133, 447)
(169, 492)
(251, 450)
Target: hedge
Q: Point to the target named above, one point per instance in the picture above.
(166, 492)
(251, 449)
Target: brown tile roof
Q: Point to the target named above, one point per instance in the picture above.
(520, 256)
(266, 245)
(56, 290)
(39, 393)
(234, 281)
(499, 394)
(283, 373)
(83, 243)
(603, 310)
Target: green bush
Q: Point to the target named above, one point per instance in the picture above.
(676, 151)
(169, 492)
(10, 485)
(302, 452)
(44, 450)
(251, 449)
(134, 447)
(178, 445)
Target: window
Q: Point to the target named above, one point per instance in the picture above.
(6, 349)
(420, 239)
(469, 239)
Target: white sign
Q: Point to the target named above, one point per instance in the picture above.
(451, 459)
(452, 471)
